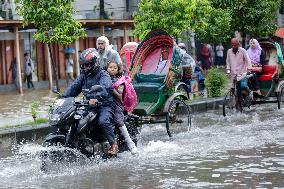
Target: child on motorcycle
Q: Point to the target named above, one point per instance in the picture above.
(115, 71)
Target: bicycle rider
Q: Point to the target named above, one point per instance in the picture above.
(238, 64)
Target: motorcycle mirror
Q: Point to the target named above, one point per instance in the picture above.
(96, 88)
(85, 91)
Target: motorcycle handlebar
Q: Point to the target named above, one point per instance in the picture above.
(86, 103)
(82, 103)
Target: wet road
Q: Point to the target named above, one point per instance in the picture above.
(15, 108)
(242, 151)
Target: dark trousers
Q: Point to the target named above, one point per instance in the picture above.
(105, 120)
(29, 81)
(118, 117)
(219, 61)
(253, 82)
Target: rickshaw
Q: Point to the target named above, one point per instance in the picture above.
(127, 52)
(160, 99)
(271, 86)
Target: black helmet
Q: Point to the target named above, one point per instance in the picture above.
(88, 60)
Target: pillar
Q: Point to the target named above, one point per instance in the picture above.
(125, 36)
(48, 60)
(102, 30)
(77, 64)
(17, 43)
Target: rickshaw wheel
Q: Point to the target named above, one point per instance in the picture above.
(231, 104)
(178, 117)
(183, 90)
(280, 99)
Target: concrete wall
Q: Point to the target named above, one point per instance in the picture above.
(280, 19)
(115, 9)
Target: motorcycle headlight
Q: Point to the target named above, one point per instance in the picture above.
(54, 117)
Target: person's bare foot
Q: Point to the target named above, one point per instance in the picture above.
(113, 149)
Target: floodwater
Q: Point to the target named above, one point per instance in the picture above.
(242, 151)
(16, 109)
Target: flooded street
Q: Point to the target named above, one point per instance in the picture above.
(15, 108)
(242, 151)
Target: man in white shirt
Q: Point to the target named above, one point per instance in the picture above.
(219, 55)
(69, 69)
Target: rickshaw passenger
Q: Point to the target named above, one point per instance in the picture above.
(163, 61)
(238, 63)
(257, 56)
(115, 71)
(189, 76)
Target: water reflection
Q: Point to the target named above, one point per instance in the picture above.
(242, 151)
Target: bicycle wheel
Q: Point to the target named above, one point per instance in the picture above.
(230, 104)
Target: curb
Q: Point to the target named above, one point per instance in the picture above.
(203, 105)
(36, 132)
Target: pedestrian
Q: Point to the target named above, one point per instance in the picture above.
(29, 69)
(106, 53)
(219, 55)
(69, 68)
(205, 58)
(238, 64)
(14, 70)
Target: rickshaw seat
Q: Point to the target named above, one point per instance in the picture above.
(153, 78)
(269, 71)
(149, 89)
(149, 82)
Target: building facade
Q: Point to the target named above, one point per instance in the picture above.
(117, 24)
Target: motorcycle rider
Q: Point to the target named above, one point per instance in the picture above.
(92, 74)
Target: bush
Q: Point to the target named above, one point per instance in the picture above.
(34, 109)
(215, 82)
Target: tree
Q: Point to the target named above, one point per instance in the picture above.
(54, 22)
(174, 17)
(254, 17)
(218, 28)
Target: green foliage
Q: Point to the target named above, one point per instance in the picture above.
(53, 19)
(39, 121)
(216, 82)
(34, 109)
(218, 29)
(255, 17)
(172, 16)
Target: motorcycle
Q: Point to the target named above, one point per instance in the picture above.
(77, 129)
